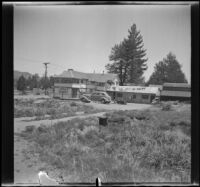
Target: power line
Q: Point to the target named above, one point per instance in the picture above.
(30, 60)
(39, 62)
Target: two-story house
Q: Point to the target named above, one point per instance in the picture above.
(71, 84)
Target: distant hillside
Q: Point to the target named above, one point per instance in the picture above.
(17, 74)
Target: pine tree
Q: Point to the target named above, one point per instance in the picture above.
(168, 70)
(135, 54)
(128, 56)
(51, 81)
(34, 83)
(45, 83)
(21, 84)
(28, 82)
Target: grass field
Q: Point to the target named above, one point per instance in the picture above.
(136, 146)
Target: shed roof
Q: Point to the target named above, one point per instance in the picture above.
(176, 93)
(176, 85)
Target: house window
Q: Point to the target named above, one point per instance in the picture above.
(145, 96)
(101, 84)
(75, 81)
(93, 82)
(134, 96)
(119, 94)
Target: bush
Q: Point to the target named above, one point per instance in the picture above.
(30, 128)
(152, 149)
(23, 112)
(39, 112)
(166, 107)
(185, 126)
(51, 111)
(42, 129)
(73, 104)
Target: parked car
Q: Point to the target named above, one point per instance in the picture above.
(102, 97)
(155, 101)
(87, 95)
(85, 99)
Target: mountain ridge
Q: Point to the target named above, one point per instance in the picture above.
(18, 73)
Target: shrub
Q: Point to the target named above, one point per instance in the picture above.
(42, 129)
(185, 126)
(151, 149)
(24, 112)
(29, 128)
(166, 107)
(39, 112)
(51, 111)
(73, 104)
(44, 139)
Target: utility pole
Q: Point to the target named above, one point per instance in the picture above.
(46, 63)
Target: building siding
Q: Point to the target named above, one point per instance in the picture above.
(72, 84)
(131, 97)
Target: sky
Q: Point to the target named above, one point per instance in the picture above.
(81, 37)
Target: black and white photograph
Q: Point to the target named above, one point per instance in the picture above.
(102, 92)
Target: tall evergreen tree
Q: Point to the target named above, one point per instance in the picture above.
(129, 58)
(51, 80)
(21, 84)
(45, 83)
(34, 83)
(168, 70)
(28, 82)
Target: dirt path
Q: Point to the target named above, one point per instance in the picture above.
(20, 124)
(114, 106)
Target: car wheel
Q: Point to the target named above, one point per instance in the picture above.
(103, 101)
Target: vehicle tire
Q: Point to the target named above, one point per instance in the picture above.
(103, 101)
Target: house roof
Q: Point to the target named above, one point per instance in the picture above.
(176, 85)
(175, 93)
(156, 85)
(101, 77)
(89, 76)
(72, 74)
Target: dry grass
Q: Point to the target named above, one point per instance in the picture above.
(51, 107)
(145, 146)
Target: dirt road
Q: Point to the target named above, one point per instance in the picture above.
(112, 106)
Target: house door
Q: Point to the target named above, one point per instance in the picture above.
(74, 92)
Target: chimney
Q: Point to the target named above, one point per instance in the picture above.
(70, 70)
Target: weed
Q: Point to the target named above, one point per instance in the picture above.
(73, 104)
(154, 147)
(166, 107)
